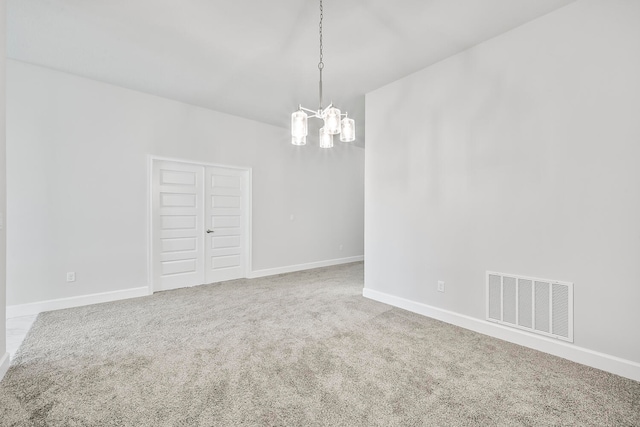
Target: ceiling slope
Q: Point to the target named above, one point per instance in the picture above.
(255, 59)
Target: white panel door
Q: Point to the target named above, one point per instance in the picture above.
(178, 223)
(226, 212)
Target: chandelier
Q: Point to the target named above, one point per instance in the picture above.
(335, 122)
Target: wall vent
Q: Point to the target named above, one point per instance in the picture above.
(541, 306)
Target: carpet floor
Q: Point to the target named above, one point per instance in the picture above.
(299, 349)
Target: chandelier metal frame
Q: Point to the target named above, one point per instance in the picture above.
(335, 122)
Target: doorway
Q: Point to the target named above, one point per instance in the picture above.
(200, 223)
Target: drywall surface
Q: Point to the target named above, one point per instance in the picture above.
(519, 155)
(78, 175)
(3, 181)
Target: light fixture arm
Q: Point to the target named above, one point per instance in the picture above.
(313, 112)
(318, 114)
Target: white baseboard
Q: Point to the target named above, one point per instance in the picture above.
(58, 304)
(299, 267)
(605, 362)
(5, 361)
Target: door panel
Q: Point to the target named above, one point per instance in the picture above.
(182, 267)
(177, 200)
(225, 262)
(179, 245)
(219, 242)
(223, 222)
(178, 221)
(225, 217)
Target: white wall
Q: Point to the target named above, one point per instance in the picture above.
(519, 155)
(77, 183)
(4, 356)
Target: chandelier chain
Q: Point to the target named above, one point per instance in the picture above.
(321, 64)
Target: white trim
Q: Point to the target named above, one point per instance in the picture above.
(150, 160)
(58, 304)
(195, 162)
(307, 266)
(605, 362)
(5, 362)
(248, 218)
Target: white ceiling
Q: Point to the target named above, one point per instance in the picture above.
(257, 59)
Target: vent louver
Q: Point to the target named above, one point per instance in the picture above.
(541, 306)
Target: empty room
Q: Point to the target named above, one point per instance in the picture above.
(320, 213)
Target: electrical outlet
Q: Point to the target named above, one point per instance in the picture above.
(340, 247)
(71, 276)
(440, 286)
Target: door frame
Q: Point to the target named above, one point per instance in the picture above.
(247, 199)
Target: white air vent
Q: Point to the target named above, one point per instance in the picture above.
(540, 306)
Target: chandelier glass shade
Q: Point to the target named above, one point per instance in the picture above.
(347, 130)
(299, 128)
(325, 138)
(335, 122)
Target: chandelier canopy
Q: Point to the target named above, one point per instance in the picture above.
(335, 122)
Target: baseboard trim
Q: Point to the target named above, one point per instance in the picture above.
(58, 304)
(5, 362)
(602, 361)
(308, 266)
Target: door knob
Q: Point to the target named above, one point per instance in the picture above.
(209, 231)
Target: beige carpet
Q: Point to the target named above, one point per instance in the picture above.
(301, 349)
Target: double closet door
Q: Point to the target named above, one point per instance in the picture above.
(199, 224)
